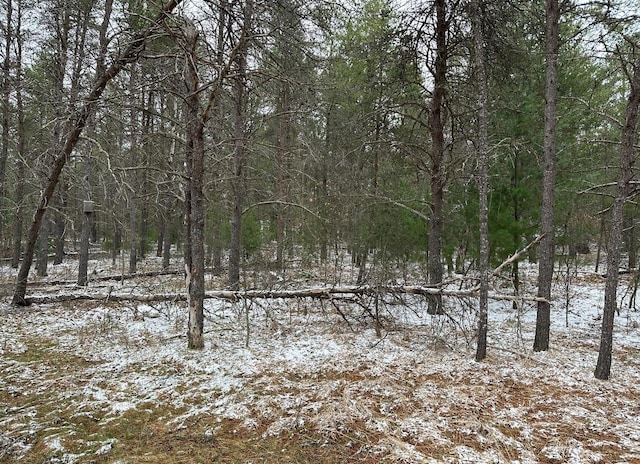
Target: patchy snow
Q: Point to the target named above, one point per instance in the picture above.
(414, 395)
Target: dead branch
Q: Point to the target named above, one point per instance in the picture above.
(516, 255)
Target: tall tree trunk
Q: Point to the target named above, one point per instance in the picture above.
(147, 122)
(237, 179)
(87, 220)
(21, 152)
(6, 110)
(195, 167)
(63, 19)
(483, 177)
(83, 261)
(546, 250)
(281, 188)
(87, 215)
(627, 161)
(436, 130)
(515, 185)
(134, 156)
(133, 240)
(78, 54)
(128, 55)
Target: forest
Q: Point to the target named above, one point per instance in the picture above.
(385, 165)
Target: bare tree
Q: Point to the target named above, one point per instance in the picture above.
(623, 190)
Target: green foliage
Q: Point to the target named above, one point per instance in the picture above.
(251, 233)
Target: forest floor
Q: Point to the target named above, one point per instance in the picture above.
(310, 381)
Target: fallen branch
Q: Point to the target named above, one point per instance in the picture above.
(116, 277)
(516, 255)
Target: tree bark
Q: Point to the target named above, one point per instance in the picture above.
(237, 181)
(483, 177)
(6, 109)
(21, 162)
(546, 250)
(60, 225)
(627, 161)
(87, 216)
(117, 242)
(83, 259)
(42, 260)
(195, 162)
(436, 130)
(128, 55)
(166, 244)
(281, 187)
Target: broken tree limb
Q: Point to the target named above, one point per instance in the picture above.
(517, 255)
(317, 293)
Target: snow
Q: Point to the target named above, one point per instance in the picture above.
(415, 395)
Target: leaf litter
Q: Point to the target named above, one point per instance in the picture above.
(83, 381)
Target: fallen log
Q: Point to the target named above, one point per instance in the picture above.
(114, 277)
(317, 293)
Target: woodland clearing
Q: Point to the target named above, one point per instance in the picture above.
(309, 380)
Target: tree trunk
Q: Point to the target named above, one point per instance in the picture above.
(21, 161)
(43, 249)
(83, 258)
(630, 238)
(166, 245)
(601, 232)
(160, 239)
(18, 224)
(627, 161)
(87, 210)
(117, 242)
(85, 232)
(436, 129)
(133, 175)
(237, 181)
(128, 55)
(483, 177)
(143, 184)
(281, 187)
(195, 163)
(133, 242)
(6, 109)
(60, 225)
(546, 250)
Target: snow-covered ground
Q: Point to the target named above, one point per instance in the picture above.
(73, 373)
